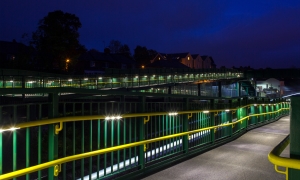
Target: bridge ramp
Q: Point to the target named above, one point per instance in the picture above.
(246, 158)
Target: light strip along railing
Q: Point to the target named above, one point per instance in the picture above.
(58, 162)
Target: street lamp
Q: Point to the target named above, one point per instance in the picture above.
(67, 64)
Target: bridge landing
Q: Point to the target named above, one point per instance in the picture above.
(246, 158)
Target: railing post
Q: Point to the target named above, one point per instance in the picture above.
(52, 137)
(294, 174)
(28, 141)
(253, 111)
(229, 115)
(15, 140)
(212, 120)
(142, 101)
(185, 127)
(1, 143)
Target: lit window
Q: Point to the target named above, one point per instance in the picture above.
(188, 58)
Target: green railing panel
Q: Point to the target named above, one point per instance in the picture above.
(90, 127)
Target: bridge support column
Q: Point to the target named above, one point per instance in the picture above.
(52, 139)
(23, 86)
(219, 89)
(238, 89)
(294, 174)
(199, 89)
(169, 89)
(141, 150)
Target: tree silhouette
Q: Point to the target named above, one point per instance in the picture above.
(116, 46)
(143, 56)
(56, 41)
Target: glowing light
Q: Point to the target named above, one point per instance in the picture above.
(255, 104)
(13, 128)
(11, 81)
(173, 113)
(69, 79)
(143, 67)
(205, 111)
(145, 76)
(113, 118)
(10, 129)
(227, 110)
(85, 79)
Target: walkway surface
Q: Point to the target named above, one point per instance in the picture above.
(246, 158)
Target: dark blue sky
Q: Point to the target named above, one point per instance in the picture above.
(257, 33)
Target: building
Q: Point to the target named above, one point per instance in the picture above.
(271, 88)
(208, 62)
(198, 61)
(194, 61)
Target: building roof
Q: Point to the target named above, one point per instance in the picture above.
(177, 55)
(204, 57)
(194, 56)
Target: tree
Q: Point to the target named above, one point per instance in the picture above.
(56, 41)
(143, 56)
(116, 46)
(124, 49)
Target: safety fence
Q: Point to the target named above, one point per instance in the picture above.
(94, 140)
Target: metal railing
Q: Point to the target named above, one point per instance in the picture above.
(274, 157)
(100, 140)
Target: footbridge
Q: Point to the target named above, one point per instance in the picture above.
(81, 131)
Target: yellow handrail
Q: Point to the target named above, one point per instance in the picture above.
(57, 163)
(274, 157)
(102, 117)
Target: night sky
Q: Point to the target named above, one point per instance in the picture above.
(256, 33)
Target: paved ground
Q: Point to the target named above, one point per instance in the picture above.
(243, 159)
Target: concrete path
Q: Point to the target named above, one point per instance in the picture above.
(246, 158)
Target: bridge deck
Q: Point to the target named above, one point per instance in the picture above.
(243, 159)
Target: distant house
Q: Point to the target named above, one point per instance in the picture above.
(95, 62)
(158, 57)
(183, 58)
(208, 62)
(198, 62)
(194, 61)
